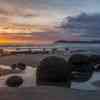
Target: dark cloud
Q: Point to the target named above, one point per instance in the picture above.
(83, 24)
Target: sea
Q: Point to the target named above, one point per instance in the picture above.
(93, 47)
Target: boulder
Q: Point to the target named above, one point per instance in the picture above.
(14, 81)
(53, 71)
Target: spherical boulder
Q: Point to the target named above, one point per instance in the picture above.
(78, 59)
(82, 68)
(53, 71)
(14, 81)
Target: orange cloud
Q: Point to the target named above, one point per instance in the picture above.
(22, 39)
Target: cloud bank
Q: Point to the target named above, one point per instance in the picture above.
(83, 24)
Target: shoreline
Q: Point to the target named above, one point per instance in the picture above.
(28, 59)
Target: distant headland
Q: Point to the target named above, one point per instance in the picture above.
(65, 41)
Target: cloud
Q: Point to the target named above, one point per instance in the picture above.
(17, 8)
(17, 12)
(83, 24)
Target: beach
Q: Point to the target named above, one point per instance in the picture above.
(47, 93)
(30, 59)
(29, 75)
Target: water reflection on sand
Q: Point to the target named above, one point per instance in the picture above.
(29, 75)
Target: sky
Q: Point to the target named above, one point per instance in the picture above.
(45, 21)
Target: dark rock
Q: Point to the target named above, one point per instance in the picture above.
(13, 66)
(95, 60)
(14, 81)
(79, 59)
(82, 68)
(54, 71)
(21, 66)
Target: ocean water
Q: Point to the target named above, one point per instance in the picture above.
(93, 47)
(82, 46)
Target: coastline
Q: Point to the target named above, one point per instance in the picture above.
(30, 59)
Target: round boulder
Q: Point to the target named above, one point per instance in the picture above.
(53, 71)
(14, 81)
(82, 68)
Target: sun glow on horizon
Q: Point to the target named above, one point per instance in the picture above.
(23, 40)
(45, 21)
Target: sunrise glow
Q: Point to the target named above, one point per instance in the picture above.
(44, 20)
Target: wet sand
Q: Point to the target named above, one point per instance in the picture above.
(24, 58)
(30, 76)
(47, 93)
